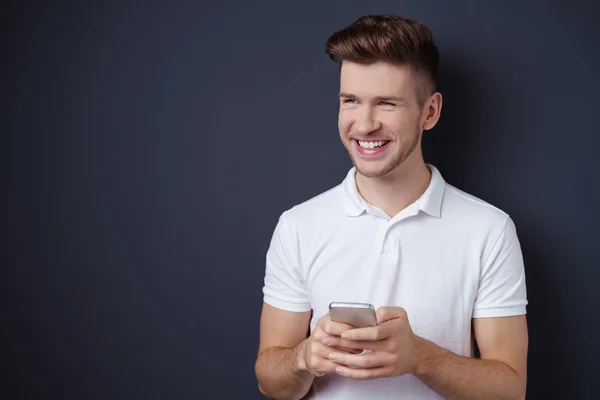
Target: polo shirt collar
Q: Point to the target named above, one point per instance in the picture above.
(354, 204)
(430, 201)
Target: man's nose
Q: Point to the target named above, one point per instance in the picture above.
(366, 121)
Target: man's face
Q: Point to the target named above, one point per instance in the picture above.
(379, 116)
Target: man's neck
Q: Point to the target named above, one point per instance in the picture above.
(396, 190)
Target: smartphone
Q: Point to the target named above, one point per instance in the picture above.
(358, 315)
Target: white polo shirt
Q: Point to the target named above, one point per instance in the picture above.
(447, 258)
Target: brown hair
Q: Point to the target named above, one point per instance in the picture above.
(392, 39)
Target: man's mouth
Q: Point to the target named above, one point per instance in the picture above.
(372, 144)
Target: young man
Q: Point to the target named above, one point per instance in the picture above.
(442, 267)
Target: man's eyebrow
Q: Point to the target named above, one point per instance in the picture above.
(378, 98)
(394, 98)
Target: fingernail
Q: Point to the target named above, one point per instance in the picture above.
(345, 335)
(332, 357)
(327, 341)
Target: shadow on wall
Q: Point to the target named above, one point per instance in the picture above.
(446, 145)
(455, 146)
(549, 320)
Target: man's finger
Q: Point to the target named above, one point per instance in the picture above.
(363, 373)
(385, 314)
(368, 360)
(329, 348)
(355, 345)
(373, 333)
(334, 328)
(348, 350)
(320, 367)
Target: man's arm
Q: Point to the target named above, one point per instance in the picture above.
(396, 350)
(500, 328)
(501, 373)
(502, 339)
(282, 334)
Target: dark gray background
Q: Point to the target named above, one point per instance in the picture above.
(148, 151)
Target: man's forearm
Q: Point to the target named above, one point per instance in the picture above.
(280, 375)
(457, 377)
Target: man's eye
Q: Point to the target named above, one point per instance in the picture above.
(349, 101)
(387, 103)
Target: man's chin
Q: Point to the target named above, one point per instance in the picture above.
(372, 171)
(375, 174)
(372, 168)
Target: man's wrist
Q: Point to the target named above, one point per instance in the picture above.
(424, 350)
(299, 356)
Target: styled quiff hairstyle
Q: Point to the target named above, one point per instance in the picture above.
(391, 39)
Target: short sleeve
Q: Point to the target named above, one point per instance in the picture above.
(284, 287)
(502, 291)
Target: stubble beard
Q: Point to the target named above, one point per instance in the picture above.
(396, 162)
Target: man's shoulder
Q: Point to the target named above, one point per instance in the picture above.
(319, 206)
(470, 208)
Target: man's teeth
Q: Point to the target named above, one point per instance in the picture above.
(371, 145)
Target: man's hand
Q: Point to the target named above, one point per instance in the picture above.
(392, 343)
(313, 354)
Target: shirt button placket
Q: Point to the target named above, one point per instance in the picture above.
(386, 245)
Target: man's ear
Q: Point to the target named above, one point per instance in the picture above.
(431, 111)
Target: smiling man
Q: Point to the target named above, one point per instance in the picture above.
(443, 268)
